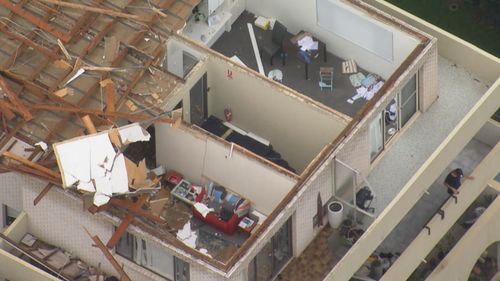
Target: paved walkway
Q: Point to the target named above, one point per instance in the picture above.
(458, 91)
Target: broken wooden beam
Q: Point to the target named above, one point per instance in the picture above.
(6, 111)
(37, 21)
(89, 125)
(27, 170)
(99, 244)
(126, 204)
(32, 165)
(42, 193)
(14, 99)
(120, 230)
(96, 10)
(131, 117)
(110, 97)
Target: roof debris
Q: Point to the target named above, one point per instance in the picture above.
(92, 164)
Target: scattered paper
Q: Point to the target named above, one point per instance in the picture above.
(187, 235)
(307, 43)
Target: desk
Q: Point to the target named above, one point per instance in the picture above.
(292, 47)
(186, 192)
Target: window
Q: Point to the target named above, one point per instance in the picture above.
(146, 254)
(397, 113)
(10, 215)
(376, 137)
(408, 98)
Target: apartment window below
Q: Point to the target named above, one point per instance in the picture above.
(148, 255)
(10, 215)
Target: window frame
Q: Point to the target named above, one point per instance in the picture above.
(135, 240)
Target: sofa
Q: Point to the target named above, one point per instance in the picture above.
(223, 209)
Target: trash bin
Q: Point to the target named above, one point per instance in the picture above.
(335, 212)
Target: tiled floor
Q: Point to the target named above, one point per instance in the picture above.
(317, 259)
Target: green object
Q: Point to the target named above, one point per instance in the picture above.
(476, 21)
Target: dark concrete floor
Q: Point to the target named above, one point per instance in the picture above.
(237, 42)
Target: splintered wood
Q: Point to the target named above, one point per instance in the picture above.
(14, 99)
(99, 244)
(32, 165)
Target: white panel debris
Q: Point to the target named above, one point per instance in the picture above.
(131, 134)
(187, 235)
(42, 145)
(91, 163)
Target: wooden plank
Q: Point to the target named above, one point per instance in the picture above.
(110, 98)
(31, 164)
(126, 221)
(95, 10)
(14, 99)
(7, 113)
(44, 192)
(127, 204)
(109, 256)
(131, 117)
(89, 125)
(18, 10)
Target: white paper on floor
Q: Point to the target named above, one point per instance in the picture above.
(187, 235)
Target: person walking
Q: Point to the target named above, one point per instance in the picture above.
(454, 180)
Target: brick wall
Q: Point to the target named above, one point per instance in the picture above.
(428, 84)
(303, 231)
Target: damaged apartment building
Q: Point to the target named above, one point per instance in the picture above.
(218, 139)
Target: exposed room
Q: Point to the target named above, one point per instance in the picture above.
(338, 53)
(283, 127)
(219, 202)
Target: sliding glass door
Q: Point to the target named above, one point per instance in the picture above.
(408, 98)
(376, 137)
(273, 257)
(396, 115)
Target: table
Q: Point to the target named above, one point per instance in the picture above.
(186, 192)
(292, 47)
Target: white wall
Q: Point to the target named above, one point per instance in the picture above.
(200, 159)
(175, 59)
(296, 128)
(304, 232)
(14, 268)
(299, 15)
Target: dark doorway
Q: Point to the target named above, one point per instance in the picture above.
(198, 101)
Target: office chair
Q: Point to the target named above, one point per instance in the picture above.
(274, 46)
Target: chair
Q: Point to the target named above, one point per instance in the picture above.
(326, 78)
(274, 46)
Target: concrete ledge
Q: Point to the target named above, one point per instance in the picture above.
(450, 46)
(424, 243)
(418, 184)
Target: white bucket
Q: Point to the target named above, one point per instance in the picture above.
(335, 213)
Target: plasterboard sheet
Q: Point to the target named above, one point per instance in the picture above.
(92, 164)
(133, 133)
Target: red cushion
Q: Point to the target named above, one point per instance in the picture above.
(228, 227)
